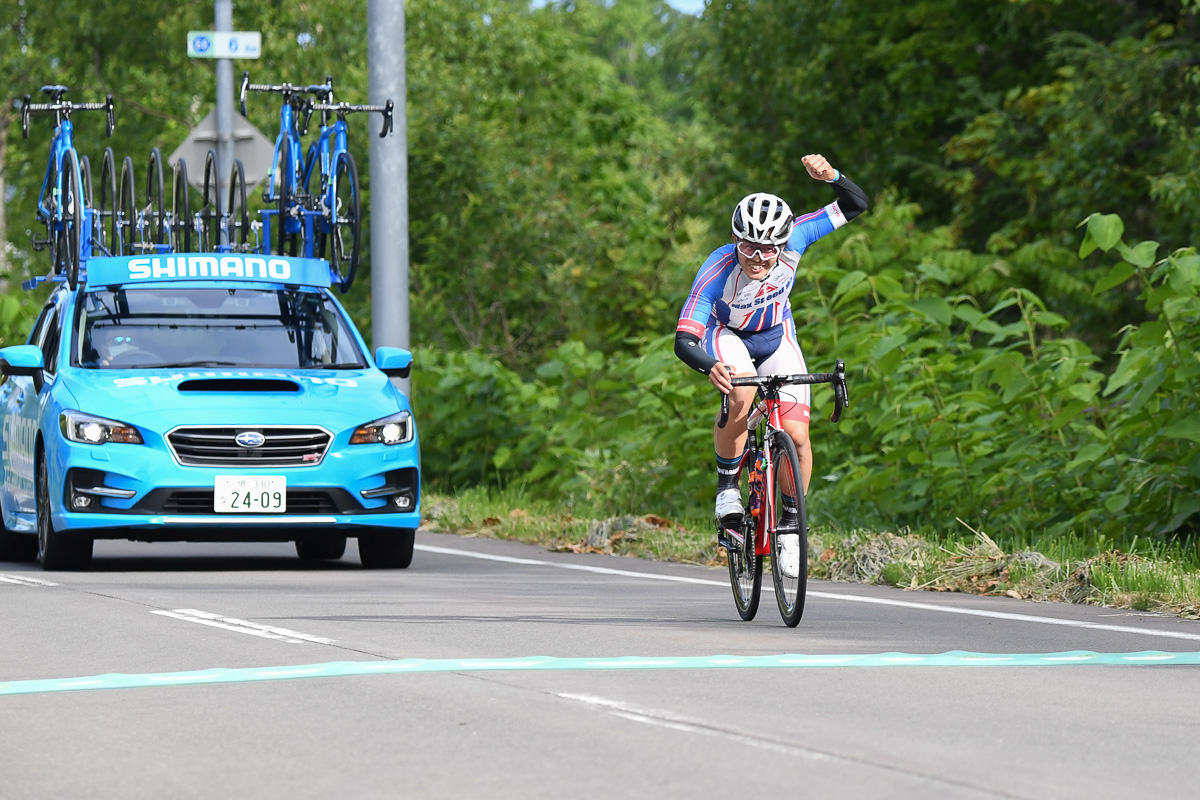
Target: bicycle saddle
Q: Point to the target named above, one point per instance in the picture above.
(54, 90)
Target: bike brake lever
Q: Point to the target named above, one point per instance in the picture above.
(724, 411)
(387, 120)
(308, 109)
(25, 118)
(242, 94)
(841, 396)
(110, 115)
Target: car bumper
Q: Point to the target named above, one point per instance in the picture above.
(142, 489)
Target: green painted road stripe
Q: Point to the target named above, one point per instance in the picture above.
(340, 669)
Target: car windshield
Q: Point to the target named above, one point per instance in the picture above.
(160, 327)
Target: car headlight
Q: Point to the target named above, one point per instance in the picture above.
(88, 429)
(396, 429)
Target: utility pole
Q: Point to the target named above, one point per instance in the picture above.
(389, 180)
(224, 24)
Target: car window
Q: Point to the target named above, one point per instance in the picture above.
(160, 327)
(38, 330)
(50, 343)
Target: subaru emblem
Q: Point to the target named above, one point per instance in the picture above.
(250, 439)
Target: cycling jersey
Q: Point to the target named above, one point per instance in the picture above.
(757, 311)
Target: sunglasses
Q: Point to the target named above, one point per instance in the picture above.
(756, 250)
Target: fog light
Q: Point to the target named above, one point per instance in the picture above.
(81, 501)
(402, 501)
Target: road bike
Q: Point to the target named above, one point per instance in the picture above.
(309, 218)
(769, 480)
(338, 200)
(63, 206)
(286, 178)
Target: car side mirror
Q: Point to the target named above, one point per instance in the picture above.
(26, 359)
(395, 362)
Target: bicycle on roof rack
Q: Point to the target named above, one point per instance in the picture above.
(72, 227)
(340, 222)
(309, 219)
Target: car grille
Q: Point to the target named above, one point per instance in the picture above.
(200, 501)
(217, 447)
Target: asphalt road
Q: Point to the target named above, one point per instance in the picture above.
(495, 669)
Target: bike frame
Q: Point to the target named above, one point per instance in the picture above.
(764, 421)
(289, 129)
(323, 155)
(62, 145)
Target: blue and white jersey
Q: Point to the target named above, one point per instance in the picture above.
(723, 295)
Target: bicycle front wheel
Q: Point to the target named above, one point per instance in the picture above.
(745, 567)
(789, 570)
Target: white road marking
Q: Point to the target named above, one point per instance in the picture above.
(851, 598)
(665, 719)
(242, 626)
(23, 581)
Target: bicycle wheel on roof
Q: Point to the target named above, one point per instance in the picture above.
(346, 223)
(69, 243)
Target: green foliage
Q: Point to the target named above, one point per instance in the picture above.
(600, 432)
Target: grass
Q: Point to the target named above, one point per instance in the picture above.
(1145, 576)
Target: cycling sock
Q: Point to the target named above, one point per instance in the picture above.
(727, 472)
(789, 503)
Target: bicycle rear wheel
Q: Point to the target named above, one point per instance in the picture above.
(745, 567)
(287, 243)
(181, 210)
(238, 221)
(128, 226)
(68, 247)
(789, 589)
(347, 222)
(155, 213)
(105, 233)
(210, 213)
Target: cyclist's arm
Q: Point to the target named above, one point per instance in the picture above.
(698, 308)
(851, 201)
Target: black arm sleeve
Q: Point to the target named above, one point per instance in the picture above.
(851, 199)
(687, 347)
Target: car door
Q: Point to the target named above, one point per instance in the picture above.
(22, 411)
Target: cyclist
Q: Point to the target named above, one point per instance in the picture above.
(738, 321)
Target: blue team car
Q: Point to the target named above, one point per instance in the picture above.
(205, 397)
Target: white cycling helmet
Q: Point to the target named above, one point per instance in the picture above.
(762, 218)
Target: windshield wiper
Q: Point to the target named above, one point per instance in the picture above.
(199, 363)
(346, 365)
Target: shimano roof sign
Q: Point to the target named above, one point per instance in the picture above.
(209, 268)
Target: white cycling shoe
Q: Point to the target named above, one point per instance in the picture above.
(729, 503)
(789, 555)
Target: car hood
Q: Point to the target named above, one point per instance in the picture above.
(161, 399)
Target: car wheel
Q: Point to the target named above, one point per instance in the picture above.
(387, 549)
(321, 548)
(17, 546)
(55, 549)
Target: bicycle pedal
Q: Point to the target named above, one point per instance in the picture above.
(730, 539)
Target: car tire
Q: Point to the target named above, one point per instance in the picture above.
(321, 548)
(17, 546)
(57, 550)
(389, 549)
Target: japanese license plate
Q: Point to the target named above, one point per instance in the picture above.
(250, 493)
